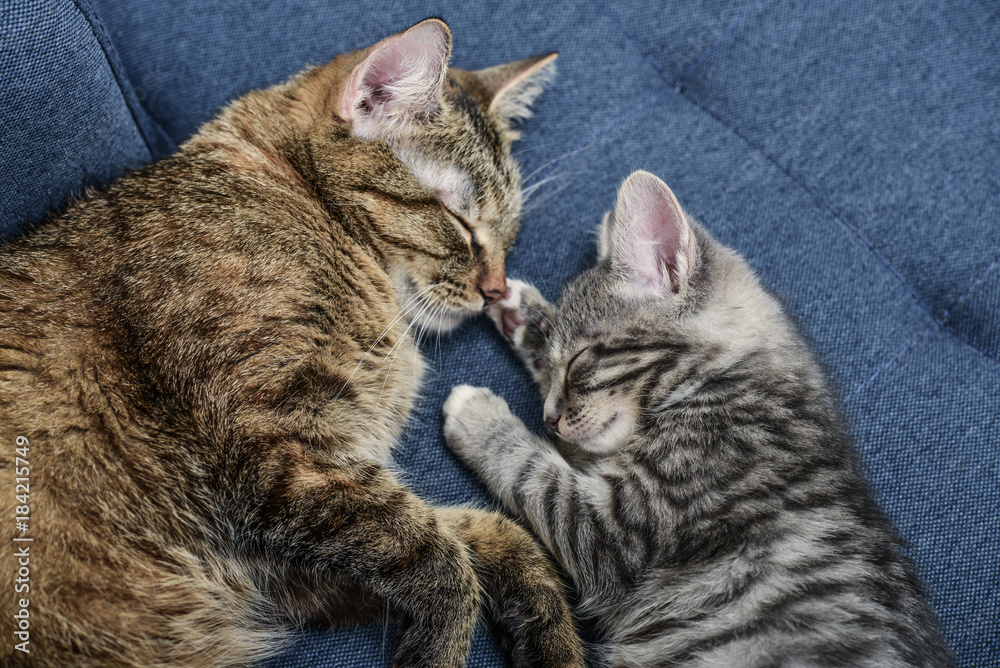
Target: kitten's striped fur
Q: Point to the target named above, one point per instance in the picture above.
(702, 491)
(212, 360)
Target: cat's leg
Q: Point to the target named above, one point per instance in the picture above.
(525, 319)
(307, 597)
(567, 508)
(522, 591)
(523, 594)
(356, 523)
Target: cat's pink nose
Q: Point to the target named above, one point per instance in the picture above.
(493, 284)
(491, 296)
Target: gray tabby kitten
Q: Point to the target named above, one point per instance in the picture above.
(707, 500)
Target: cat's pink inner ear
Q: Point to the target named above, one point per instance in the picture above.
(652, 237)
(402, 74)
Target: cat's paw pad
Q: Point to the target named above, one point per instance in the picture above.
(522, 307)
(523, 317)
(506, 314)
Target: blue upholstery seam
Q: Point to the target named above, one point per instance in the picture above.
(689, 70)
(972, 288)
(677, 86)
(907, 348)
(636, 43)
(935, 326)
(652, 63)
(946, 318)
(117, 69)
(822, 201)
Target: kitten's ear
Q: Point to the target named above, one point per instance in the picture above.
(650, 237)
(511, 88)
(398, 80)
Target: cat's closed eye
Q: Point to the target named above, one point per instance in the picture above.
(468, 233)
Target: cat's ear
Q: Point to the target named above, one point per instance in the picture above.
(650, 238)
(512, 88)
(398, 80)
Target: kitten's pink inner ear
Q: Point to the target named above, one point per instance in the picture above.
(652, 237)
(402, 74)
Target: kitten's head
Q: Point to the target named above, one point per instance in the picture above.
(424, 152)
(665, 305)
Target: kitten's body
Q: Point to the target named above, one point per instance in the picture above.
(719, 516)
(211, 361)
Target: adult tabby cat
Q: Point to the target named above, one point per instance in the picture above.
(714, 513)
(210, 361)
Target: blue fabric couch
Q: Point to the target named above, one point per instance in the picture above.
(851, 151)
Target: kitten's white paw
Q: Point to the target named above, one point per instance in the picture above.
(469, 418)
(461, 397)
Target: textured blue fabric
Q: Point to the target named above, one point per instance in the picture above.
(64, 120)
(848, 150)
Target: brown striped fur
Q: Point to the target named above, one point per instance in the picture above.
(212, 359)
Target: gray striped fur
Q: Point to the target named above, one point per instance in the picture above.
(702, 491)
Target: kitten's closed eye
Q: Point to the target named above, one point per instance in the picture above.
(572, 360)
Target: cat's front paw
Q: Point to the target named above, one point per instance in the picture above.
(524, 318)
(472, 415)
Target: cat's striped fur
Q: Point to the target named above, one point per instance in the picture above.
(212, 359)
(702, 491)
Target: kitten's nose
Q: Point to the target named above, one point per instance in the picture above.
(493, 283)
(553, 421)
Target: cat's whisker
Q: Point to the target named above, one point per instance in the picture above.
(528, 191)
(545, 166)
(536, 203)
(394, 351)
(530, 201)
(529, 149)
(414, 322)
(385, 628)
(410, 304)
